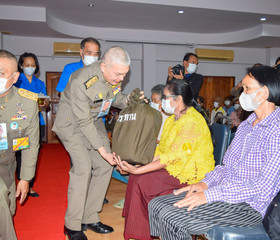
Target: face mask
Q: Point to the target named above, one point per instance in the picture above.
(165, 104)
(236, 106)
(247, 101)
(89, 59)
(29, 70)
(155, 105)
(191, 68)
(3, 82)
(216, 104)
(227, 103)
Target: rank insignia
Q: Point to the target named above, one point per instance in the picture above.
(22, 117)
(28, 94)
(116, 90)
(100, 95)
(90, 82)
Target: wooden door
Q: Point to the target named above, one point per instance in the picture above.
(52, 79)
(215, 87)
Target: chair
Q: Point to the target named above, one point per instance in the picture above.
(221, 135)
(118, 176)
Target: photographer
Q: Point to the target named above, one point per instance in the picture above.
(188, 73)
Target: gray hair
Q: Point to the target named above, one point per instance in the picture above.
(116, 55)
(158, 89)
(9, 55)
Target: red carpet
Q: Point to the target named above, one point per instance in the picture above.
(42, 218)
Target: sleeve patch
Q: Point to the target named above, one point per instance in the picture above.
(91, 81)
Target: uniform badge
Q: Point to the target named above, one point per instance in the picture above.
(91, 81)
(20, 117)
(116, 90)
(19, 105)
(28, 94)
(20, 143)
(100, 95)
(14, 125)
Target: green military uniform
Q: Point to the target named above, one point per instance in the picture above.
(82, 132)
(19, 123)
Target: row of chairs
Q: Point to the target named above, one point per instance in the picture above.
(222, 137)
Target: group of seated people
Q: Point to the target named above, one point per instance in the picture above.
(181, 192)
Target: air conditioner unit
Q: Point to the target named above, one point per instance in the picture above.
(215, 55)
(66, 49)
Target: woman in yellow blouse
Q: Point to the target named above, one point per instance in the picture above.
(184, 155)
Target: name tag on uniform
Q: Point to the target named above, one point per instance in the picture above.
(20, 143)
(3, 137)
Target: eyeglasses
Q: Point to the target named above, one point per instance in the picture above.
(164, 96)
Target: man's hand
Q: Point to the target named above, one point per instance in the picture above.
(193, 200)
(194, 197)
(172, 75)
(109, 157)
(124, 166)
(22, 190)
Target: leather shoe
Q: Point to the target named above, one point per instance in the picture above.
(98, 227)
(33, 194)
(74, 235)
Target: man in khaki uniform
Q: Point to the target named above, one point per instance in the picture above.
(80, 127)
(19, 124)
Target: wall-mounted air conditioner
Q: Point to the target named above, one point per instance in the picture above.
(215, 54)
(66, 49)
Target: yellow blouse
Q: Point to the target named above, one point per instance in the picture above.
(186, 147)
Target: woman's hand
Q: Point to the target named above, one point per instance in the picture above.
(124, 166)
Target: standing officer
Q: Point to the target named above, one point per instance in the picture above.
(19, 123)
(80, 127)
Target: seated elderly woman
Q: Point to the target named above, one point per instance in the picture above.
(238, 192)
(183, 156)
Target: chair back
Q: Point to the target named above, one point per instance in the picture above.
(220, 134)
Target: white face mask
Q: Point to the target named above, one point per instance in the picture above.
(155, 105)
(236, 106)
(89, 59)
(216, 104)
(165, 104)
(227, 103)
(29, 70)
(247, 101)
(3, 82)
(192, 68)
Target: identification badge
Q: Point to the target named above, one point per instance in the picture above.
(20, 143)
(105, 107)
(3, 137)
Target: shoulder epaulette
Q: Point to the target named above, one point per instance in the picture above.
(91, 81)
(27, 94)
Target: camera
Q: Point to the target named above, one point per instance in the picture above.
(176, 69)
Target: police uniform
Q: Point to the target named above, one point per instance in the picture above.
(19, 121)
(82, 131)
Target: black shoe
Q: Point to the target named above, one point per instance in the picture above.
(74, 235)
(98, 227)
(33, 194)
(105, 201)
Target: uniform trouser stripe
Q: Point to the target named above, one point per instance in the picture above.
(171, 222)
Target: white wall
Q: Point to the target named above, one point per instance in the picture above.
(149, 61)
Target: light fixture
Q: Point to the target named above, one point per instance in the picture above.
(263, 18)
(180, 11)
(90, 4)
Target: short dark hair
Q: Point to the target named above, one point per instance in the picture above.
(269, 77)
(277, 60)
(187, 56)
(158, 89)
(26, 55)
(89, 39)
(181, 88)
(201, 99)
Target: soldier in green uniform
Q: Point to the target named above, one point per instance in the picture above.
(88, 96)
(19, 123)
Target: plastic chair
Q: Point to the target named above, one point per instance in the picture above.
(221, 135)
(119, 177)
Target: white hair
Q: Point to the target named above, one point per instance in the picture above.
(117, 55)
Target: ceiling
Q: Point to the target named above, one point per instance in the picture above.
(217, 22)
